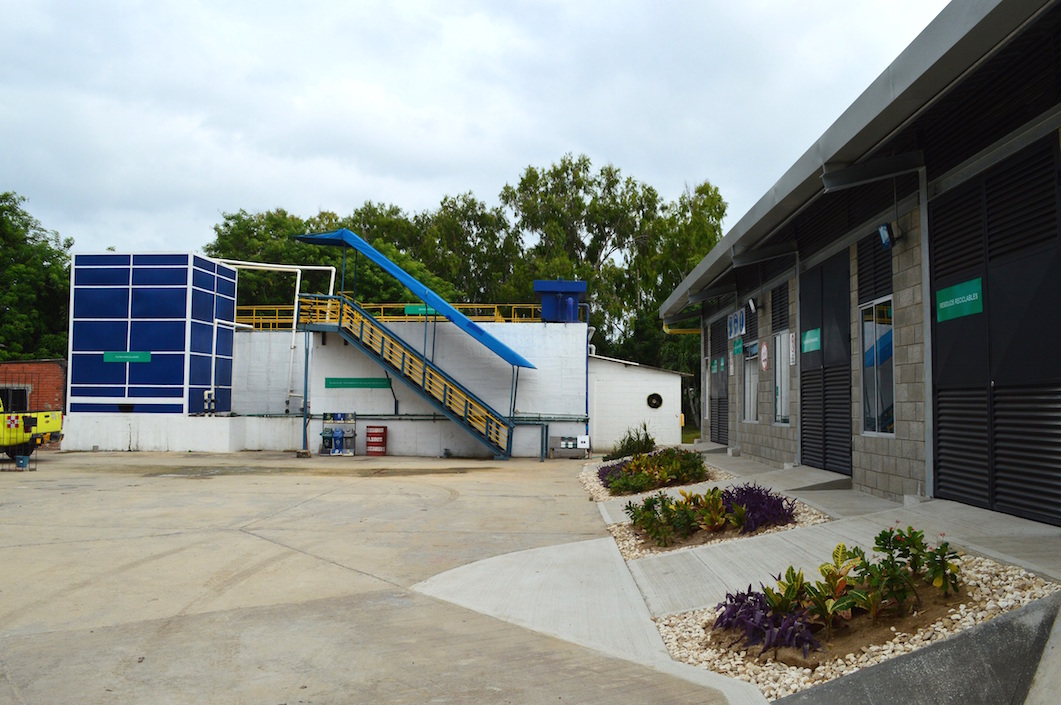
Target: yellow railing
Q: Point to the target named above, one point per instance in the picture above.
(281, 317)
(412, 366)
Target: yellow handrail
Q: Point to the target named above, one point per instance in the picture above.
(410, 363)
(281, 316)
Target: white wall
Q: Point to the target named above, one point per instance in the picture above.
(557, 387)
(177, 433)
(263, 365)
(619, 401)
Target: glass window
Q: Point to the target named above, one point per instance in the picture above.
(751, 383)
(878, 389)
(782, 385)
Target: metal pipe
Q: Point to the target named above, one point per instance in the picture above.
(927, 311)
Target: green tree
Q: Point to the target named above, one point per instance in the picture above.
(270, 238)
(34, 285)
(472, 247)
(597, 227)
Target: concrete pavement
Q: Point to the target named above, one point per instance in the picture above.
(258, 577)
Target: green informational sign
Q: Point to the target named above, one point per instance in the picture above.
(960, 300)
(127, 357)
(357, 383)
(738, 346)
(419, 310)
(812, 340)
(714, 366)
(722, 364)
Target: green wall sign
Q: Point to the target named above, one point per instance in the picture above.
(811, 340)
(960, 300)
(419, 310)
(714, 366)
(127, 357)
(738, 346)
(357, 383)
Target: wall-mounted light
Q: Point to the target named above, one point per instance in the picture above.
(751, 305)
(887, 237)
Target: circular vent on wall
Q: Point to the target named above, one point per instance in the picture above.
(655, 401)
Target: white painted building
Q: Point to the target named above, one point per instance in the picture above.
(623, 395)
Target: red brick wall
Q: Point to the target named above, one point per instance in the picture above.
(45, 379)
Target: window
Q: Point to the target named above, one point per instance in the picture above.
(751, 382)
(782, 384)
(15, 398)
(878, 389)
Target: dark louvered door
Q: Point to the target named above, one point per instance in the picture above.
(996, 369)
(825, 365)
(718, 403)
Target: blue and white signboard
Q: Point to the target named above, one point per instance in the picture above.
(735, 324)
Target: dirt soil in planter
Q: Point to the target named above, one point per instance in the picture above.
(856, 635)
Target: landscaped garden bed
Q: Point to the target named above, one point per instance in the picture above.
(673, 468)
(799, 631)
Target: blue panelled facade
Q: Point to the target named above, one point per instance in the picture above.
(150, 333)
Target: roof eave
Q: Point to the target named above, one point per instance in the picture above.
(956, 40)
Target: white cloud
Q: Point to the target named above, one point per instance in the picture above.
(138, 124)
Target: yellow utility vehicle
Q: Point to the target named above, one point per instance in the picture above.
(23, 431)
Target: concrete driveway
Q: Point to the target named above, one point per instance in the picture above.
(261, 578)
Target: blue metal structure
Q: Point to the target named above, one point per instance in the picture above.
(346, 238)
(150, 333)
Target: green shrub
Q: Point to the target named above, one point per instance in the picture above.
(636, 441)
(641, 473)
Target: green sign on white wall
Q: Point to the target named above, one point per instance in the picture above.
(357, 383)
(965, 299)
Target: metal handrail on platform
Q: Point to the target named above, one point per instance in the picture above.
(415, 369)
(282, 317)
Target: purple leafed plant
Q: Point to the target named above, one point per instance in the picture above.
(607, 473)
(749, 614)
(763, 507)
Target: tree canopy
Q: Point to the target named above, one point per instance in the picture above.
(630, 246)
(34, 285)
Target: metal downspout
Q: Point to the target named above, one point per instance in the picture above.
(927, 311)
(305, 396)
(587, 368)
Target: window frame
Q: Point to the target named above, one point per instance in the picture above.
(751, 366)
(784, 388)
(875, 373)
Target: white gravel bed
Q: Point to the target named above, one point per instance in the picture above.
(991, 589)
(634, 546)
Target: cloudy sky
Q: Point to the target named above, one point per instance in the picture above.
(138, 124)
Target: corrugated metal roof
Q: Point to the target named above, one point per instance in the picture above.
(961, 36)
(346, 238)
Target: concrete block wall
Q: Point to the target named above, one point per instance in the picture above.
(894, 466)
(774, 443)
